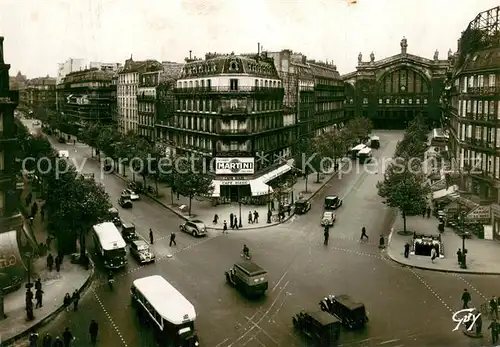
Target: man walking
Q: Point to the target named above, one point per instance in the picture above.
(494, 307)
(250, 217)
(407, 250)
(231, 220)
(67, 337)
(236, 223)
(172, 239)
(494, 331)
(363, 234)
(93, 330)
(47, 340)
(224, 227)
(465, 299)
(256, 216)
(151, 238)
(326, 235)
(39, 297)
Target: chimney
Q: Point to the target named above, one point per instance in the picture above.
(190, 54)
(1, 50)
(258, 48)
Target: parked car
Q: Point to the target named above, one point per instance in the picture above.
(131, 194)
(328, 218)
(140, 250)
(332, 202)
(302, 206)
(125, 202)
(194, 227)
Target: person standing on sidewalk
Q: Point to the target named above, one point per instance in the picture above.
(250, 218)
(67, 301)
(151, 236)
(38, 284)
(231, 220)
(93, 330)
(172, 239)
(75, 298)
(236, 223)
(256, 217)
(58, 263)
(224, 227)
(39, 297)
(407, 250)
(494, 307)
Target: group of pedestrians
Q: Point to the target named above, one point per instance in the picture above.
(74, 298)
(57, 261)
(38, 296)
(234, 222)
(493, 304)
(64, 340)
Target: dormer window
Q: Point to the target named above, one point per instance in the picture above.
(233, 65)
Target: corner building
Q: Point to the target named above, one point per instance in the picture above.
(392, 91)
(472, 113)
(230, 109)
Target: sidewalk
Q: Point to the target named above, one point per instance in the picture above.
(54, 285)
(483, 256)
(202, 208)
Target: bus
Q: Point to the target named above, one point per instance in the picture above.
(354, 151)
(365, 155)
(439, 138)
(170, 313)
(110, 245)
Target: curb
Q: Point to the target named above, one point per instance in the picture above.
(456, 271)
(10, 341)
(262, 226)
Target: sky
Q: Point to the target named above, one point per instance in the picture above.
(39, 34)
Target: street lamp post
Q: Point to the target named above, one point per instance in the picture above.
(463, 264)
(239, 203)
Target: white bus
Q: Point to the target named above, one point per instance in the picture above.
(110, 245)
(355, 150)
(365, 155)
(439, 137)
(170, 312)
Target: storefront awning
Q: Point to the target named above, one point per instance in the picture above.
(443, 193)
(275, 173)
(259, 188)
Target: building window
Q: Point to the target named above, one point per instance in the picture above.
(410, 101)
(380, 101)
(497, 167)
(256, 83)
(491, 80)
(234, 146)
(498, 138)
(365, 101)
(425, 101)
(491, 107)
(233, 84)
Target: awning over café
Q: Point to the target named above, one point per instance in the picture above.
(444, 193)
(276, 172)
(259, 188)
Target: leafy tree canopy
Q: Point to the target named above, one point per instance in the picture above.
(359, 128)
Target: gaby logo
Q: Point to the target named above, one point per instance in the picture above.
(465, 316)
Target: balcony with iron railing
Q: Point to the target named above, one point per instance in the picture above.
(480, 144)
(234, 110)
(145, 97)
(478, 91)
(229, 89)
(482, 118)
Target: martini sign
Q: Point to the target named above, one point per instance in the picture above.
(234, 166)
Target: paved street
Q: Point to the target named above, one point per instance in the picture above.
(406, 307)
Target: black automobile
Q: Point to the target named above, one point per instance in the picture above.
(140, 250)
(128, 232)
(61, 139)
(302, 206)
(351, 313)
(332, 202)
(322, 328)
(125, 202)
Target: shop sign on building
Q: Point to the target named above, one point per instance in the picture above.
(480, 214)
(234, 166)
(234, 183)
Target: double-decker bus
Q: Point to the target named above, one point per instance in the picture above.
(171, 314)
(110, 245)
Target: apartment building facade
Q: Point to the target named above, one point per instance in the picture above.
(471, 112)
(39, 94)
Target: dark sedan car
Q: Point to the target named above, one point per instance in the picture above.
(125, 202)
(332, 202)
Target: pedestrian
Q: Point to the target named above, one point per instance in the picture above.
(33, 338)
(428, 212)
(494, 307)
(58, 342)
(224, 227)
(172, 239)
(39, 298)
(494, 331)
(151, 239)
(47, 340)
(269, 216)
(75, 298)
(29, 295)
(250, 217)
(50, 262)
(363, 234)
(407, 250)
(216, 218)
(231, 220)
(38, 284)
(67, 337)
(42, 212)
(256, 217)
(67, 301)
(326, 236)
(93, 330)
(433, 254)
(58, 263)
(29, 310)
(236, 223)
(459, 256)
(466, 298)
(272, 205)
(423, 212)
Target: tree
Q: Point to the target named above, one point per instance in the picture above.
(404, 189)
(89, 134)
(337, 144)
(360, 128)
(191, 178)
